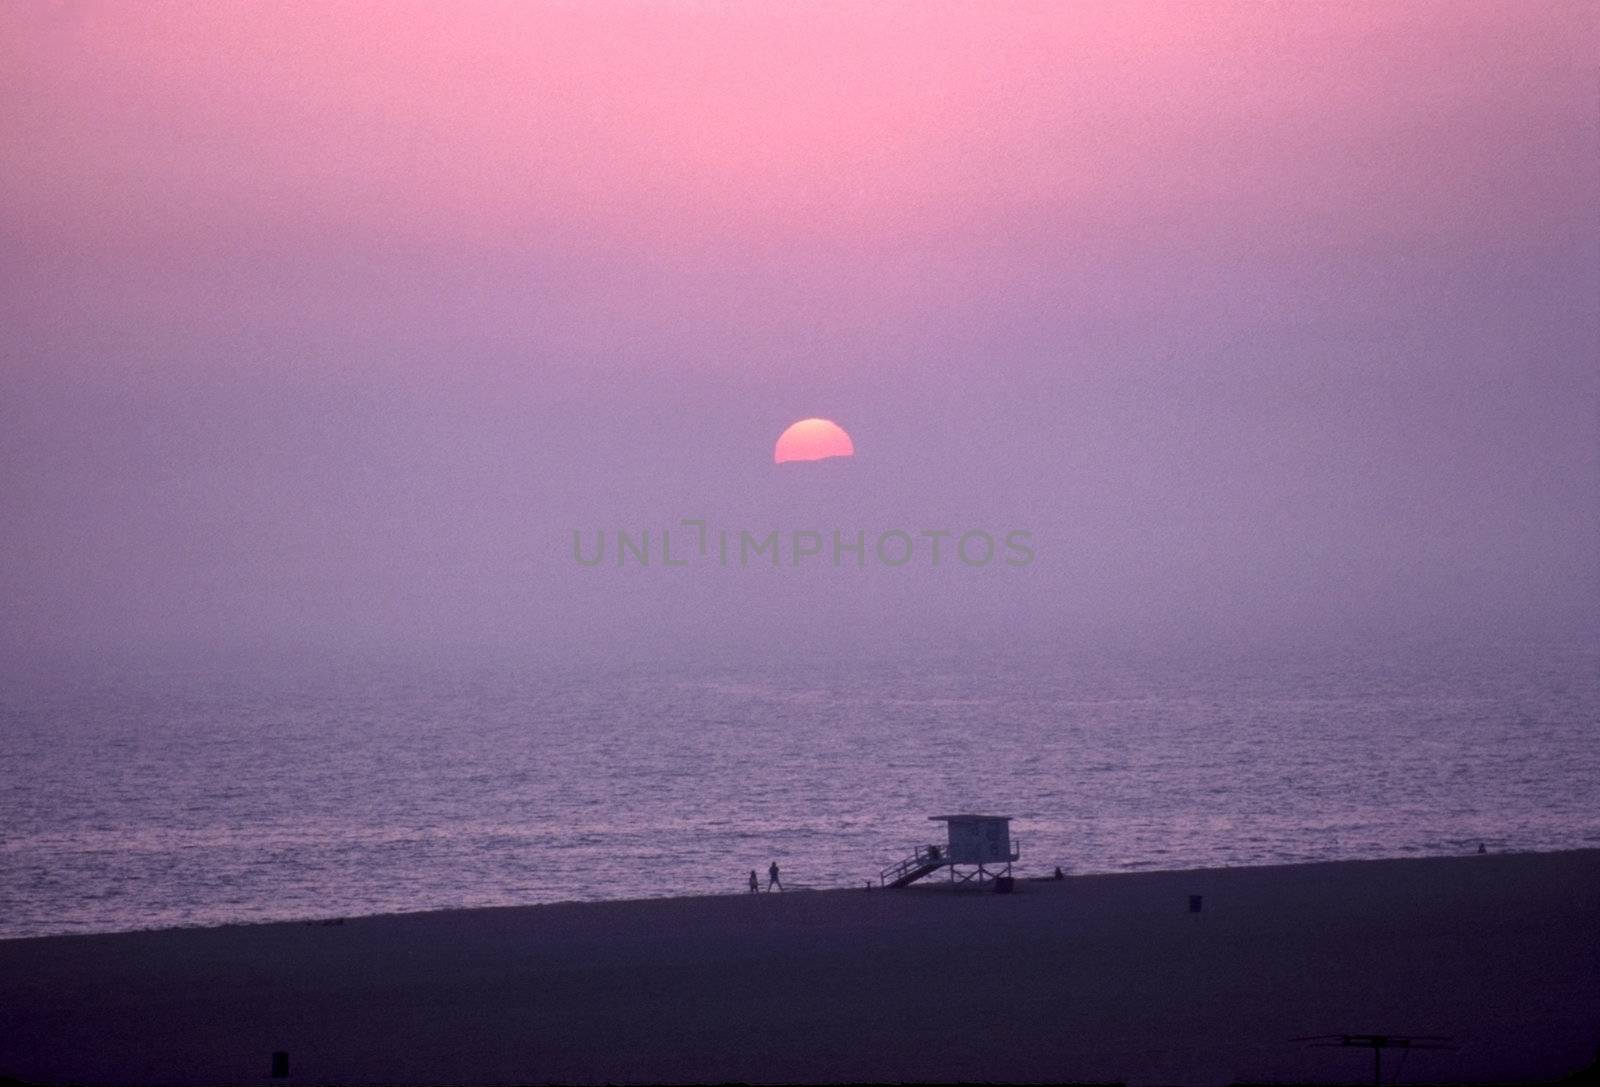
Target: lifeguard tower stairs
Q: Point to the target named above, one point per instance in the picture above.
(978, 848)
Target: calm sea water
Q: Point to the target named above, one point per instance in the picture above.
(139, 799)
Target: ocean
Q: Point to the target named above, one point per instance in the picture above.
(140, 798)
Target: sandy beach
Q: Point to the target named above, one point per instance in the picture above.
(1094, 978)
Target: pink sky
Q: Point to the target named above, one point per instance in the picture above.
(1256, 305)
(833, 148)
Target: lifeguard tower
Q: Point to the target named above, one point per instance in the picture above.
(977, 847)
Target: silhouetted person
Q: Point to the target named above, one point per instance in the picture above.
(772, 876)
(755, 884)
(1059, 873)
(1481, 849)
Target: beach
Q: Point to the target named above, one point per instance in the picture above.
(1105, 978)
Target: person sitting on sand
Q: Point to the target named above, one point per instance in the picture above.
(772, 876)
(755, 884)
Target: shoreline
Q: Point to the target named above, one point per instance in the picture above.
(1103, 977)
(799, 888)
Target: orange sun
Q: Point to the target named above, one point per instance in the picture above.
(813, 439)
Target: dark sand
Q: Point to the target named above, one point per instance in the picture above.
(1093, 978)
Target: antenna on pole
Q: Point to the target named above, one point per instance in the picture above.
(1377, 1043)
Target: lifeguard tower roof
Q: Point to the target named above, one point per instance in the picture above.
(948, 818)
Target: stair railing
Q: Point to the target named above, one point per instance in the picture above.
(925, 855)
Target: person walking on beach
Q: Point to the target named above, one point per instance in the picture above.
(755, 884)
(772, 876)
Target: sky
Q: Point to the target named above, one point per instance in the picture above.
(327, 326)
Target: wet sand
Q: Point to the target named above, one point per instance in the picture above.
(1094, 978)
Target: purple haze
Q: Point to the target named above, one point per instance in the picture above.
(325, 330)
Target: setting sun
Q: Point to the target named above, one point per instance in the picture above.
(813, 439)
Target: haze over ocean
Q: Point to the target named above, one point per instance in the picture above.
(330, 334)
